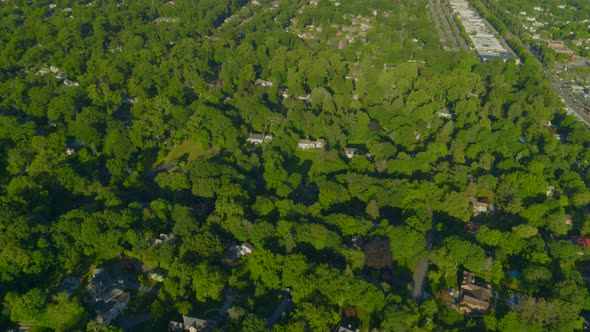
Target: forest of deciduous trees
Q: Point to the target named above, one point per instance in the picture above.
(84, 177)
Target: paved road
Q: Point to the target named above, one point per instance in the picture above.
(455, 31)
(572, 103)
(443, 26)
(128, 323)
(422, 266)
(433, 17)
(229, 299)
(449, 33)
(276, 315)
(419, 275)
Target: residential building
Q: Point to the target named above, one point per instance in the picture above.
(480, 207)
(160, 240)
(347, 328)
(266, 84)
(108, 311)
(108, 295)
(191, 324)
(233, 254)
(577, 89)
(475, 298)
(444, 113)
(305, 144)
(259, 138)
(559, 47)
(350, 152)
(568, 220)
(582, 241)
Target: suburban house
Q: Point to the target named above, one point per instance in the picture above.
(305, 144)
(347, 328)
(191, 324)
(233, 254)
(559, 47)
(444, 113)
(480, 207)
(263, 83)
(350, 152)
(259, 138)
(568, 220)
(108, 295)
(550, 191)
(475, 297)
(356, 242)
(160, 240)
(582, 241)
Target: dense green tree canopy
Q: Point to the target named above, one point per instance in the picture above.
(123, 121)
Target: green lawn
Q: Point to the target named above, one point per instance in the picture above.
(192, 150)
(322, 162)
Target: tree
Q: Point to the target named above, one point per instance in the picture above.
(263, 206)
(185, 223)
(372, 209)
(378, 253)
(208, 282)
(564, 251)
(349, 225)
(525, 231)
(65, 313)
(463, 252)
(29, 307)
(253, 323)
(407, 245)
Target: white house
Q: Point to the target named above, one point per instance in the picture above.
(266, 84)
(259, 138)
(305, 144)
(350, 152)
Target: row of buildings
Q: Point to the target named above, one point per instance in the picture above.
(303, 144)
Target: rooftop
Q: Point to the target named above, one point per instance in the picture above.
(481, 34)
(474, 296)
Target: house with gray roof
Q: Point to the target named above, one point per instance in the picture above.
(191, 324)
(108, 295)
(255, 138)
(305, 144)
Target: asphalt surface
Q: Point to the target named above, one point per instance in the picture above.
(455, 31)
(434, 17)
(573, 104)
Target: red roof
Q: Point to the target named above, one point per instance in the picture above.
(582, 241)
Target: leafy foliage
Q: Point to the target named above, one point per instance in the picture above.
(123, 121)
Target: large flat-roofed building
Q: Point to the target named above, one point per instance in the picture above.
(481, 33)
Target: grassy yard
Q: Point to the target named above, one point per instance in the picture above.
(189, 148)
(322, 162)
